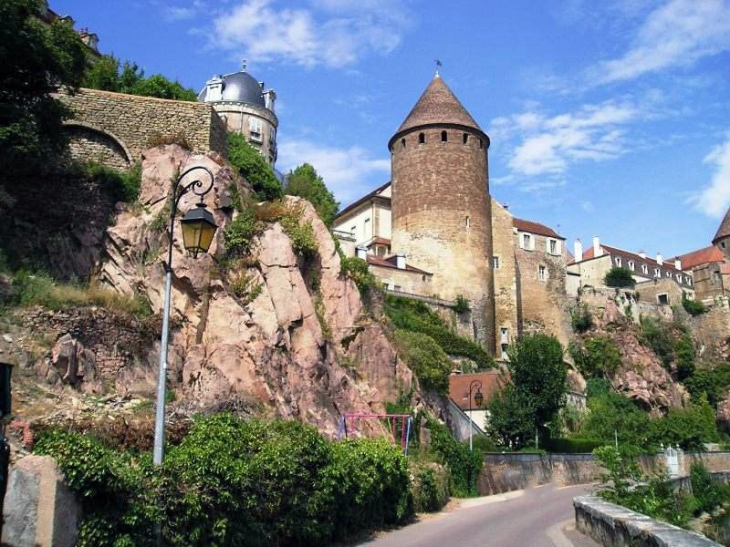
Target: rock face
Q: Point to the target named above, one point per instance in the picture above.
(299, 344)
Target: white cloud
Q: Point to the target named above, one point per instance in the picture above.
(348, 172)
(182, 12)
(334, 33)
(679, 32)
(715, 198)
(549, 145)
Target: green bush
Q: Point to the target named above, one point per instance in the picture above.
(598, 357)
(300, 233)
(693, 307)
(238, 235)
(462, 304)
(430, 487)
(122, 185)
(712, 382)
(597, 386)
(253, 167)
(231, 482)
(658, 336)
(426, 359)
(619, 277)
(416, 316)
(684, 356)
(464, 465)
(572, 445)
(482, 442)
(581, 319)
(357, 269)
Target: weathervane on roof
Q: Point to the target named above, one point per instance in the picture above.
(243, 65)
(438, 66)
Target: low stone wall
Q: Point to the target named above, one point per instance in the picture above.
(115, 128)
(506, 472)
(615, 526)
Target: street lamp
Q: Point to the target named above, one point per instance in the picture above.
(198, 229)
(478, 399)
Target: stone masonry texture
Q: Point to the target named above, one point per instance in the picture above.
(116, 128)
(442, 216)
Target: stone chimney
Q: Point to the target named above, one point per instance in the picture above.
(362, 252)
(642, 254)
(659, 259)
(214, 90)
(578, 250)
(269, 99)
(597, 251)
(400, 261)
(678, 263)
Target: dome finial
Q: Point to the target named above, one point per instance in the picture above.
(243, 65)
(438, 66)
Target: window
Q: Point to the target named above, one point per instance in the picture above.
(657, 272)
(631, 265)
(541, 273)
(353, 231)
(645, 269)
(403, 143)
(527, 242)
(467, 222)
(421, 138)
(380, 250)
(366, 229)
(679, 277)
(444, 136)
(669, 274)
(662, 299)
(481, 144)
(617, 261)
(504, 335)
(254, 128)
(688, 280)
(505, 356)
(715, 276)
(495, 262)
(722, 244)
(553, 247)
(466, 138)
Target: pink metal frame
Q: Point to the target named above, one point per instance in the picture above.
(349, 420)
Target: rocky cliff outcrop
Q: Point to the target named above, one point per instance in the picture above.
(299, 342)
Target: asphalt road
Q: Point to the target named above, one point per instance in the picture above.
(537, 517)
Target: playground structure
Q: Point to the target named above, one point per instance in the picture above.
(403, 422)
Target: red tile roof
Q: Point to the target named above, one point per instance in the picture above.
(366, 197)
(701, 256)
(492, 383)
(390, 263)
(534, 228)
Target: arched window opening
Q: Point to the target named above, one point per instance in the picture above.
(468, 222)
(403, 143)
(421, 138)
(466, 138)
(481, 145)
(444, 136)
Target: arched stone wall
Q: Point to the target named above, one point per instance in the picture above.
(89, 143)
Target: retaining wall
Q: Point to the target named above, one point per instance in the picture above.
(615, 526)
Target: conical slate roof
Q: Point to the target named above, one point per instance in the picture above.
(724, 229)
(438, 105)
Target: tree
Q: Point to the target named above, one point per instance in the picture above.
(619, 277)
(306, 183)
(537, 394)
(37, 61)
(253, 167)
(598, 357)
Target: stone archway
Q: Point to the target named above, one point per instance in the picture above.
(90, 143)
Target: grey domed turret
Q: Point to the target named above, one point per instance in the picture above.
(246, 107)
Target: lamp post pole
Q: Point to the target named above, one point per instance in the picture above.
(198, 229)
(478, 398)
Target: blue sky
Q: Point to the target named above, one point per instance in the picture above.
(606, 118)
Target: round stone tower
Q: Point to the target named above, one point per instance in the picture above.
(440, 202)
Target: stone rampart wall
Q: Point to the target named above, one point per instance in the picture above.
(115, 128)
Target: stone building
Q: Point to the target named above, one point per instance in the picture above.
(662, 282)
(435, 231)
(247, 107)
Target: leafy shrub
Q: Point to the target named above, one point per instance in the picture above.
(253, 167)
(367, 485)
(598, 357)
(572, 445)
(416, 316)
(238, 235)
(462, 304)
(619, 277)
(711, 383)
(658, 337)
(464, 465)
(243, 287)
(684, 356)
(482, 443)
(306, 183)
(426, 359)
(300, 233)
(693, 307)
(430, 487)
(709, 492)
(357, 269)
(689, 427)
(596, 387)
(123, 185)
(581, 319)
